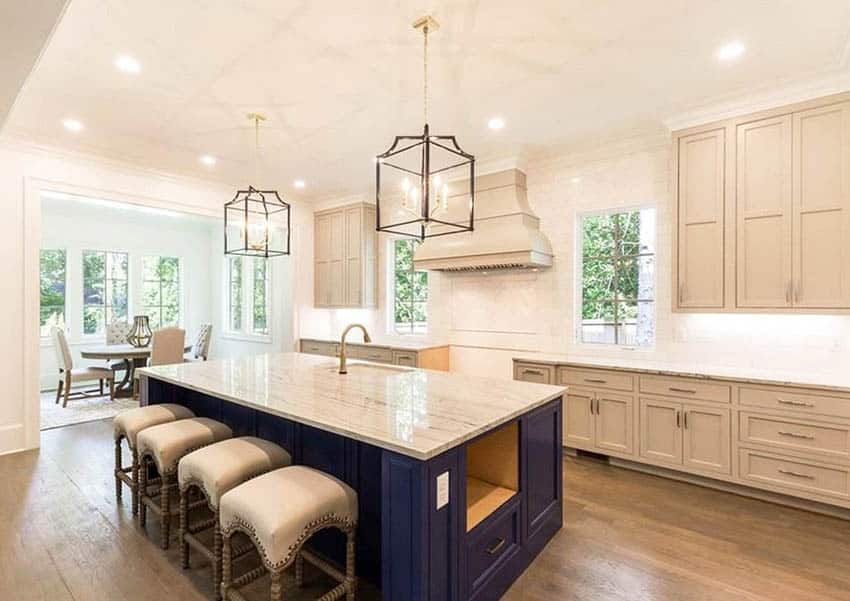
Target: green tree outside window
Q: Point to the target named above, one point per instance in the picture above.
(105, 289)
(260, 306)
(410, 290)
(52, 290)
(161, 291)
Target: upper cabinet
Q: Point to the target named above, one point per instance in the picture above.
(762, 211)
(345, 257)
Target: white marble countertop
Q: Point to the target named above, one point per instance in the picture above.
(416, 412)
(838, 380)
(411, 344)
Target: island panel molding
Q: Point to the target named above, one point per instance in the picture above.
(761, 211)
(756, 431)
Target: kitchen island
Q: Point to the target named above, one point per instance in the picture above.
(458, 477)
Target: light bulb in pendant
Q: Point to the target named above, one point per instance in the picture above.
(405, 186)
(414, 197)
(445, 197)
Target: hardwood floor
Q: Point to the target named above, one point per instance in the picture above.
(627, 536)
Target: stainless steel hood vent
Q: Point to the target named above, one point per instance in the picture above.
(507, 234)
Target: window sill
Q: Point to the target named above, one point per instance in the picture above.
(242, 337)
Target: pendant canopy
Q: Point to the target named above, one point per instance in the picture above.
(425, 184)
(257, 222)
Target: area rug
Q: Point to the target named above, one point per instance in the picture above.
(80, 411)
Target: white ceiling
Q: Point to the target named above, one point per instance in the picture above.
(338, 79)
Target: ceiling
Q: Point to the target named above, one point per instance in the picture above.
(338, 79)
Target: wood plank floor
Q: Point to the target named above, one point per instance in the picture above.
(627, 536)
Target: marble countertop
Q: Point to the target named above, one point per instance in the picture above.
(836, 380)
(394, 343)
(416, 412)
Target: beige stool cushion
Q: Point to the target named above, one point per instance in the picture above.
(167, 443)
(224, 465)
(129, 423)
(281, 509)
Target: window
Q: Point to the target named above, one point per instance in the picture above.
(52, 277)
(105, 289)
(410, 290)
(618, 278)
(161, 291)
(247, 296)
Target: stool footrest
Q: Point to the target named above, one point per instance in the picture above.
(249, 577)
(191, 540)
(201, 526)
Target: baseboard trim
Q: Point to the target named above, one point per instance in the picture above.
(731, 487)
(12, 439)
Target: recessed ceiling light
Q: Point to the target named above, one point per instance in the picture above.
(299, 183)
(496, 123)
(72, 125)
(730, 51)
(575, 180)
(128, 64)
(208, 160)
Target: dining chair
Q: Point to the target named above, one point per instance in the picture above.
(201, 348)
(68, 374)
(167, 347)
(116, 333)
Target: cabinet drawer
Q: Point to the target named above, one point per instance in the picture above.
(491, 544)
(596, 378)
(318, 347)
(795, 474)
(406, 358)
(687, 388)
(796, 400)
(534, 372)
(370, 353)
(790, 433)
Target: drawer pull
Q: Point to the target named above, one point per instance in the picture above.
(685, 390)
(796, 435)
(678, 419)
(595, 380)
(796, 474)
(795, 403)
(535, 372)
(496, 546)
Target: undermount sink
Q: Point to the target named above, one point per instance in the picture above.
(371, 367)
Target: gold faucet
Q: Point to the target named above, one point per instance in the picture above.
(342, 358)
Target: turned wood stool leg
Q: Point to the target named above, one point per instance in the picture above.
(276, 588)
(184, 527)
(299, 570)
(117, 469)
(217, 556)
(135, 477)
(165, 510)
(225, 566)
(350, 578)
(142, 491)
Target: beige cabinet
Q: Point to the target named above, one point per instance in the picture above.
(660, 431)
(426, 357)
(763, 203)
(578, 427)
(345, 250)
(700, 214)
(821, 207)
(598, 421)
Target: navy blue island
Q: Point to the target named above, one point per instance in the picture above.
(459, 478)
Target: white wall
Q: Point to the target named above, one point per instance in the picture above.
(489, 318)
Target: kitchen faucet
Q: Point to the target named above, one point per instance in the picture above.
(342, 358)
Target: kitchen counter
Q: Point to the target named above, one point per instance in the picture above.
(418, 413)
(830, 380)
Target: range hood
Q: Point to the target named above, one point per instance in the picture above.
(506, 236)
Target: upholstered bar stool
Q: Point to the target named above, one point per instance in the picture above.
(279, 511)
(214, 470)
(126, 426)
(163, 446)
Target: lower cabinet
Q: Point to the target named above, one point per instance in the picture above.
(599, 420)
(684, 434)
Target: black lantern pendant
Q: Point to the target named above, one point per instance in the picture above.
(256, 222)
(425, 184)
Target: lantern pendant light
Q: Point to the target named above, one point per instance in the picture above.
(425, 184)
(253, 219)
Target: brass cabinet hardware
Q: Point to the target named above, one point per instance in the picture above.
(686, 420)
(595, 380)
(685, 390)
(796, 435)
(496, 546)
(535, 372)
(796, 474)
(794, 403)
(678, 419)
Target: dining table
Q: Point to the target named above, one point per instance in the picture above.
(131, 356)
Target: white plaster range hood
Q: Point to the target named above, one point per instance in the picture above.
(506, 236)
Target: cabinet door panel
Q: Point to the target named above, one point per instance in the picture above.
(353, 255)
(821, 207)
(578, 419)
(660, 431)
(700, 227)
(336, 263)
(614, 423)
(706, 439)
(763, 196)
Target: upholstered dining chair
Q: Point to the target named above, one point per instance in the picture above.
(167, 346)
(68, 374)
(116, 333)
(201, 348)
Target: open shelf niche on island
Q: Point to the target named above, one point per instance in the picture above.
(492, 473)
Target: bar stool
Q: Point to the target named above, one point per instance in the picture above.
(126, 426)
(279, 511)
(163, 446)
(214, 470)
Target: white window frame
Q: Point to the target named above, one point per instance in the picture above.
(180, 286)
(578, 300)
(82, 314)
(390, 286)
(246, 332)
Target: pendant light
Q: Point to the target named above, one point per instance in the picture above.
(253, 219)
(425, 184)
